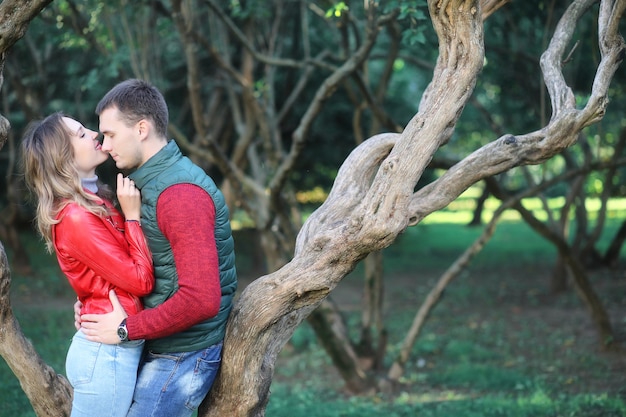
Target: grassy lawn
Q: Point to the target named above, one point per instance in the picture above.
(497, 344)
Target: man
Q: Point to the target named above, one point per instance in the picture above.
(186, 223)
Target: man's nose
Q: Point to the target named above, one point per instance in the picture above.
(106, 144)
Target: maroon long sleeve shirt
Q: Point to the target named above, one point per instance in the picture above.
(186, 216)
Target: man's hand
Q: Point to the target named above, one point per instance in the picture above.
(102, 328)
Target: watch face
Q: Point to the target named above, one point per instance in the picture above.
(122, 333)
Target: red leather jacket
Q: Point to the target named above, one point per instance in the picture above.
(98, 254)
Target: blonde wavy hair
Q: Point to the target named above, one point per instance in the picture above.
(51, 174)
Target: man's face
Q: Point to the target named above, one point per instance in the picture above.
(121, 141)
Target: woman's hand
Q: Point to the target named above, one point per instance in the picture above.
(77, 307)
(129, 198)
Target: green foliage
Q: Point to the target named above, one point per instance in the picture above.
(337, 9)
(495, 345)
(71, 56)
(413, 15)
(516, 242)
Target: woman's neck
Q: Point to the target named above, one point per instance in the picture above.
(90, 184)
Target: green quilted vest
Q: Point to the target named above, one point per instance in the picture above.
(166, 168)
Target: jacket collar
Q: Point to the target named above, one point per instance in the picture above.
(167, 156)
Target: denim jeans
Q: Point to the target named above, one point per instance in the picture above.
(103, 376)
(174, 384)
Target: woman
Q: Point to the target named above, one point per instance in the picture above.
(97, 249)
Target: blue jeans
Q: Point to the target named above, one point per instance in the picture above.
(103, 376)
(174, 384)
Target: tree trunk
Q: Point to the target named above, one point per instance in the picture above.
(578, 274)
(10, 218)
(611, 257)
(9, 233)
(362, 215)
(477, 218)
(589, 296)
(372, 344)
(558, 278)
(333, 336)
(49, 393)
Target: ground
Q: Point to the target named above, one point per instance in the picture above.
(510, 312)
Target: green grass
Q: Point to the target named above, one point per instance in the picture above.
(497, 344)
(287, 402)
(433, 245)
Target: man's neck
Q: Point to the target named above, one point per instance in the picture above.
(152, 148)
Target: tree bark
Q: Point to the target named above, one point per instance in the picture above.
(49, 393)
(10, 219)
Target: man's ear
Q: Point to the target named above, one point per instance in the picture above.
(144, 128)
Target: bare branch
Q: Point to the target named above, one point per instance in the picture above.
(489, 7)
(244, 41)
(325, 90)
(551, 61)
(16, 16)
(533, 148)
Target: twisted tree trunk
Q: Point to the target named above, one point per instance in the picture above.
(372, 200)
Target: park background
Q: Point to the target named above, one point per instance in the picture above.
(508, 336)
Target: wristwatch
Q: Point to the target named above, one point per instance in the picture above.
(122, 331)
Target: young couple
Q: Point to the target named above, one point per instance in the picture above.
(155, 286)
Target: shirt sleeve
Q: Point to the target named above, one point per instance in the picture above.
(186, 217)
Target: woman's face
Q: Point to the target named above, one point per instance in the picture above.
(87, 150)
